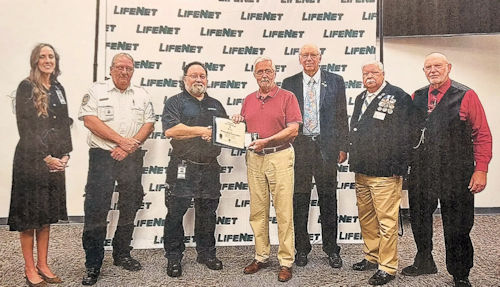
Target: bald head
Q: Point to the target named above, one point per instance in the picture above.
(437, 55)
(437, 69)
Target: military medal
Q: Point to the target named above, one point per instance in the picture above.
(387, 104)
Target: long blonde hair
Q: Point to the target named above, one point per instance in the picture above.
(40, 96)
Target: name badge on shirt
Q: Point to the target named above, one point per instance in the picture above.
(379, 115)
(181, 170)
(61, 97)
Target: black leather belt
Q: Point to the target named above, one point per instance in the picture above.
(312, 137)
(269, 150)
(203, 162)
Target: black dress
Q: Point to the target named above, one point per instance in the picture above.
(38, 197)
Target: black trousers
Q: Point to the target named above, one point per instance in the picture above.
(457, 210)
(309, 163)
(103, 173)
(205, 220)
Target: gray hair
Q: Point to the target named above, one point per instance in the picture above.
(315, 47)
(374, 62)
(439, 55)
(126, 55)
(262, 59)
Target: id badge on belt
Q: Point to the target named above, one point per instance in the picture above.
(181, 170)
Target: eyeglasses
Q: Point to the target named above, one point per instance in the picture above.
(124, 69)
(437, 67)
(194, 76)
(312, 56)
(261, 72)
(366, 74)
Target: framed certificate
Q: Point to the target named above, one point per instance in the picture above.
(228, 134)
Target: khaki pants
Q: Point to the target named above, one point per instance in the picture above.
(272, 174)
(378, 209)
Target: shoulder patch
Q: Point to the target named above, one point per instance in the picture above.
(85, 99)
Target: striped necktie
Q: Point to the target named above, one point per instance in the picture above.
(368, 99)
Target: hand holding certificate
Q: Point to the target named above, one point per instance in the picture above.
(229, 134)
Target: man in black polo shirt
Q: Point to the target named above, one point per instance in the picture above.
(193, 170)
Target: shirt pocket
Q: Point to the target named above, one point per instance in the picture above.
(105, 113)
(138, 115)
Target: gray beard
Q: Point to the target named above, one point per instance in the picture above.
(197, 90)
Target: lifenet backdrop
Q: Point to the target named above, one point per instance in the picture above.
(70, 28)
(163, 36)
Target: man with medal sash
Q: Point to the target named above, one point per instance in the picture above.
(378, 154)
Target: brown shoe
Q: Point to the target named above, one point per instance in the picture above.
(255, 266)
(285, 274)
(39, 284)
(50, 280)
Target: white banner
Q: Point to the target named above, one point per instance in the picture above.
(228, 36)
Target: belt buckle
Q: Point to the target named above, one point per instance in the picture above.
(262, 152)
(270, 150)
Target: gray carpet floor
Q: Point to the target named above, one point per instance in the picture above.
(66, 258)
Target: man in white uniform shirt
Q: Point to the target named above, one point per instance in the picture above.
(120, 118)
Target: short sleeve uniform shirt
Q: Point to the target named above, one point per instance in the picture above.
(124, 112)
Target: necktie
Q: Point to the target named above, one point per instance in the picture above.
(311, 109)
(433, 103)
(366, 103)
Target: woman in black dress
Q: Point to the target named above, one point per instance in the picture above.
(38, 196)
